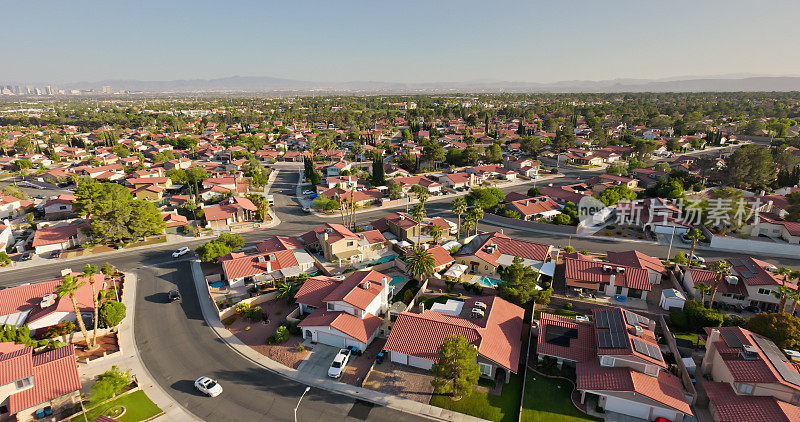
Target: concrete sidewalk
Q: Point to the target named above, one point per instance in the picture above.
(212, 319)
(128, 359)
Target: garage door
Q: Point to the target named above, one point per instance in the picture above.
(400, 358)
(330, 339)
(350, 342)
(419, 362)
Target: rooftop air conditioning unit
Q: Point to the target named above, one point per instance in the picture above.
(731, 279)
(261, 258)
(480, 305)
(271, 257)
(366, 285)
(477, 313)
(771, 268)
(48, 300)
(606, 268)
(637, 330)
(621, 270)
(749, 352)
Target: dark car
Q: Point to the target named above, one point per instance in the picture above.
(174, 296)
(26, 256)
(55, 254)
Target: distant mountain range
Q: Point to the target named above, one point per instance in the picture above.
(249, 84)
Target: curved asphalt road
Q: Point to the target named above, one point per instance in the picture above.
(176, 346)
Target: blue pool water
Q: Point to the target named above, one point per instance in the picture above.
(397, 280)
(384, 259)
(217, 284)
(491, 282)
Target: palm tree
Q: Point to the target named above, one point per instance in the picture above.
(703, 288)
(420, 263)
(695, 235)
(88, 274)
(475, 214)
(68, 286)
(722, 268)
(418, 213)
(459, 207)
(108, 269)
(435, 232)
(468, 224)
(794, 296)
(286, 290)
(781, 293)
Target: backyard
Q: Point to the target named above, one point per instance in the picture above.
(504, 407)
(548, 399)
(132, 407)
(693, 337)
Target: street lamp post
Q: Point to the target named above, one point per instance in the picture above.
(669, 252)
(298, 402)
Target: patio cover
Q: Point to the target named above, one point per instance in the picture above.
(455, 270)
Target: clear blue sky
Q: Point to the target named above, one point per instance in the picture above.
(402, 41)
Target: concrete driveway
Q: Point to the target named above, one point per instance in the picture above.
(318, 361)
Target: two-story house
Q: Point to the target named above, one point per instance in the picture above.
(618, 363)
(278, 258)
(344, 312)
(487, 253)
(340, 245)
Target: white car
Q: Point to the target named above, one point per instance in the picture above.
(208, 386)
(699, 259)
(308, 192)
(339, 363)
(180, 252)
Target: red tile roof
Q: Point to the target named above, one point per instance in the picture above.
(359, 329)
(351, 290)
(581, 349)
(505, 246)
(754, 272)
(665, 389)
(497, 336)
(731, 407)
(315, 289)
(336, 232)
(53, 235)
(55, 373)
(637, 259)
(586, 271)
(535, 205)
(28, 298)
(707, 277)
(278, 253)
(441, 256)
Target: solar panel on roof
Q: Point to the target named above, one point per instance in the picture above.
(634, 319)
(617, 339)
(647, 349)
(778, 360)
(604, 339)
(615, 321)
(559, 336)
(602, 319)
(731, 339)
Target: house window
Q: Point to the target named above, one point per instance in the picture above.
(485, 369)
(330, 306)
(349, 243)
(764, 291)
(24, 383)
(727, 295)
(746, 388)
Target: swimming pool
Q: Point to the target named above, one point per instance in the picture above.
(397, 280)
(490, 282)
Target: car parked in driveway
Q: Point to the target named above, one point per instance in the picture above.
(26, 256)
(55, 253)
(208, 386)
(340, 361)
(180, 252)
(308, 192)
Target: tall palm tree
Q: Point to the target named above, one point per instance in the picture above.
(418, 213)
(703, 288)
(475, 214)
(781, 293)
(695, 235)
(468, 224)
(459, 207)
(794, 296)
(88, 274)
(420, 263)
(68, 286)
(721, 268)
(435, 232)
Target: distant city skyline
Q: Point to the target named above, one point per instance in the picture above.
(50, 42)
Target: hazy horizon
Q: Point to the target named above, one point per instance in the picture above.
(413, 42)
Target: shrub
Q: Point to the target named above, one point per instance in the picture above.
(255, 314)
(67, 327)
(568, 306)
(281, 334)
(229, 320)
(678, 319)
(569, 249)
(242, 308)
(109, 383)
(407, 296)
(301, 348)
(110, 314)
(733, 320)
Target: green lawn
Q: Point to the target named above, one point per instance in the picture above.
(494, 408)
(545, 402)
(563, 312)
(137, 408)
(439, 299)
(693, 337)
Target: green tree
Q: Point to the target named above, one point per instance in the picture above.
(68, 287)
(378, 173)
(223, 245)
(418, 213)
(751, 166)
(781, 328)
(111, 313)
(14, 191)
(88, 274)
(459, 207)
(695, 235)
(534, 191)
(455, 371)
(435, 232)
(420, 263)
(519, 282)
(703, 288)
(109, 383)
(680, 258)
(613, 194)
(721, 269)
(618, 168)
(485, 198)
(394, 191)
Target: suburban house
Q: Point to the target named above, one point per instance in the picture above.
(235, 209)
(6, 235)
(340, 245)
(492, 170)
(344, 313)
(618, 363)
(655, 269)
(535, 208)
(401, 225)
(603, 181)
(10, 205)
(460, 180)
(32, 384)
(173, 222)
(607, 278)
(38, 306)
(407, 182)
(751, 283)
(490, 323)
(774, 228)
(60, 207)
(753, 379)
(486, 253)
(278, 258)
(581, 157)
(442, 258)
(59, 238)
(569, 193)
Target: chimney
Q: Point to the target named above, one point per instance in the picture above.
(324, 235)
(385, 293)
(421, 307)
(710, 347)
